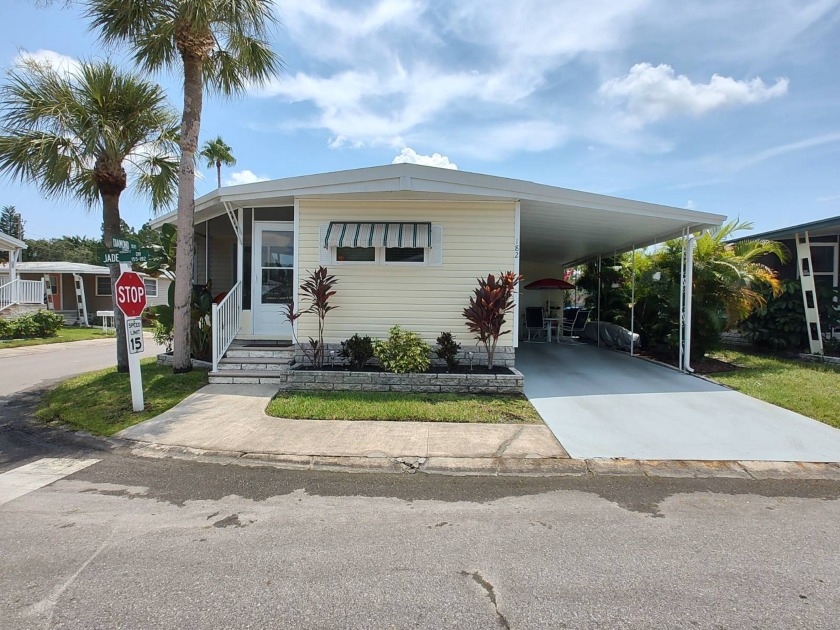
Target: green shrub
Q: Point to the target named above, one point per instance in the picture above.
(357, 350)
(780, 323)
(162, 334)
(41, 323)
(402, 352)
(448, 350)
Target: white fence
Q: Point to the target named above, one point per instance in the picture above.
(226, 322)
(21, 292)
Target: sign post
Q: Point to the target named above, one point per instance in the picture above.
(131, 299)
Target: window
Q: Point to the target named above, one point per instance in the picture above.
(151, 287)
(103, 285)
(824, 263)
(405, 255)
(355, 255)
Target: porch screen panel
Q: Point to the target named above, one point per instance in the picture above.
(277, 257)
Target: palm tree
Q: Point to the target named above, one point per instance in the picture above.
(222, 44)
(86, 135)
(216, 152)
(729, 282)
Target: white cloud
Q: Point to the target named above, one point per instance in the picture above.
(652, 93)
(453, 75)
(690, 205)
(243, 177)
(410, 156)
(59, 62)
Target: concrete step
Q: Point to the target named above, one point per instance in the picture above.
(259, 353)
(256, 363)
(264, 377)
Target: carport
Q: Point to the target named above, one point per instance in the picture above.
(605, 404)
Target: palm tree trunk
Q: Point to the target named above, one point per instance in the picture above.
(190, 124)
(218, 174)
(111, 228)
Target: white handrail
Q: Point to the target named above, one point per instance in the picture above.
(21, 292)
(226, 322)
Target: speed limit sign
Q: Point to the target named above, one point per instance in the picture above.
(134, 334)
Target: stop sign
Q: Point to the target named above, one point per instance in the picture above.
(131, 294)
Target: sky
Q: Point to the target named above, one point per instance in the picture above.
(720, 106)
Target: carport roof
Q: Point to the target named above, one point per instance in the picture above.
(557, 225)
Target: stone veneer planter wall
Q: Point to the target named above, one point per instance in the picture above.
(296, 379)
(505, 356)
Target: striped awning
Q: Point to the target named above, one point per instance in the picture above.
(376, 234)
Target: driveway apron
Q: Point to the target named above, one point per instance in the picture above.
(604, 404)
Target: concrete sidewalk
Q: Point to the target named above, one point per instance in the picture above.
(228, 424)
(230, 420)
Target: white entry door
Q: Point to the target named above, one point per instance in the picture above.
(273, 282)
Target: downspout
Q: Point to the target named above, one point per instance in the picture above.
(599, 300)
(689, 289)
(633, 301)
(681, 361)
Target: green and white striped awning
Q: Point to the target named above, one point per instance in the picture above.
(376, 234)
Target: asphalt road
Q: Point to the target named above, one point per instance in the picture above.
(136, 543)
(30, 367)
(145, 543)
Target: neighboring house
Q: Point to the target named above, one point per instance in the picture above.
(406, 243)
(824, 239)
(60, 277)
(16, 296)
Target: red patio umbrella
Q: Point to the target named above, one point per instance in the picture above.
(549, 284)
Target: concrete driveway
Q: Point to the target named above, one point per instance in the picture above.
(601, 403)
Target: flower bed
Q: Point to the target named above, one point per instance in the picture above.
(506, 382)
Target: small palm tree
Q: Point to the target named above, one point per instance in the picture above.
(86, 135)
(216, 152)
(221, 44)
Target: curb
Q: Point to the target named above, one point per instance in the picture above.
(496, 466)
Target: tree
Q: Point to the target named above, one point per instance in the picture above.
(78, 249)
(220, 44)
(11, 222)
(730, 282)
(216, 152)
(79, 134)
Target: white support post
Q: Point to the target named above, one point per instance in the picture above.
(516, 257)
(134, 373)
(681, 320)
(633, 301)
(296, 270)
(599, 300)
(689, 292)
(240, 251)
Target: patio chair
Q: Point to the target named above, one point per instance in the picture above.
(573, 324)
(534, 321)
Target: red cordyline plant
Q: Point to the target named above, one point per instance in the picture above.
(319, 289)
(486, 313)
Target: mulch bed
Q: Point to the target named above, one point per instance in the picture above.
(477, 369)
(704, 366)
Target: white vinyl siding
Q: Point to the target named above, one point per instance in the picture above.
(477, 239)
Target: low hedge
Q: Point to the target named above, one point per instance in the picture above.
(41, 323)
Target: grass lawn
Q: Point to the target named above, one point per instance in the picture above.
(812, 389)
(100, 402)
(403, 407)
(63, 334)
